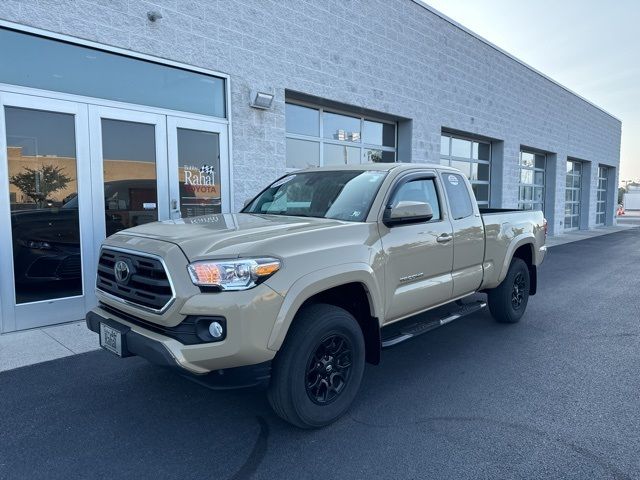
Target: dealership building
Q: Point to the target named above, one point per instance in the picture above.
(114, 114)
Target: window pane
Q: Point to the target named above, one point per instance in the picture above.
(199, 172)
(302, 120)
(302, 153)
(378, 133)
(79, 70)
(481, 192)
(464, 167)
(378, 156)
(459, 199)
(526, 176)
(539, 178)
(527, 159)
(540, 161)
(129, 163)
(340, 155)
(483, 171)
(341, 127)
(444, 145)
(460, 148)
(538, 194)
(45, 228)
(481, 151)
(576, 181)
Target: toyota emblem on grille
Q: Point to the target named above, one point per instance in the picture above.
(121, 271)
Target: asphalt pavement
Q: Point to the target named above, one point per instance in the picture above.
(555, 396)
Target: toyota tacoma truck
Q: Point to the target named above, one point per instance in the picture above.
(318, 273)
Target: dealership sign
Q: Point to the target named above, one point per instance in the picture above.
(200, 179)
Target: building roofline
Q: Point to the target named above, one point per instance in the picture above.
(422, 4)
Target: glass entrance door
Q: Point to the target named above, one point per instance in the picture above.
(46, 192)
(198, 167)
(129, 155)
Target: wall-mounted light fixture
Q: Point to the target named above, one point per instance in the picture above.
(261, 100)
(154, 15)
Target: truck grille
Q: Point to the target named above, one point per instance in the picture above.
(146, 285)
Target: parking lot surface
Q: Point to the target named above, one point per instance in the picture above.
(555, 396)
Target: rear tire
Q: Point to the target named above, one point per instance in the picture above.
(508, 301)
(317, 372)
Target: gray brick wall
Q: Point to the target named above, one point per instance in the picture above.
(392, 56)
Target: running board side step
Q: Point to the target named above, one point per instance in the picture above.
(434, 319)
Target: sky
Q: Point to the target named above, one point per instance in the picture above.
(590, 46)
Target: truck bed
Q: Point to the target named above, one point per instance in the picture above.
(502, 228)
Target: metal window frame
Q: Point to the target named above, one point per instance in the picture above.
(578, 202)
(522, 202)
(601, 205)
(321, 140)
(449, 158)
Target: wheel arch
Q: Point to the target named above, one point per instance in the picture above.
(351, 287)
(525, 252)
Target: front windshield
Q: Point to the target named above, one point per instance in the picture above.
(342, 195)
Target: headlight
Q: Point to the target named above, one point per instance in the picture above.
(240, 274)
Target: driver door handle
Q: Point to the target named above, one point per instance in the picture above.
(444, 238)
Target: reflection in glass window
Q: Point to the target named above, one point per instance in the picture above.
(43, 189)
(302, 153)
(422, 190)
(378, 156)
(129, 163)
(199, 172)
(345, 139)
(341, 155)
(302, 120)
(531, 192)
(80, 70)
(341, 127)
(378, 133)
(472, 158)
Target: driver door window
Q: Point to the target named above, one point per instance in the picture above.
(421, 190)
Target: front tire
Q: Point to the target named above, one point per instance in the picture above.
(317, 372)
(508, 301)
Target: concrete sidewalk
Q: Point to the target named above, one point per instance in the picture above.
(578, 235)
(28, 347)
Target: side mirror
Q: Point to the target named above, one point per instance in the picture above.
(407, 212)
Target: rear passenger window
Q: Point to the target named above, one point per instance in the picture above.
(420, 190)
(458, 193)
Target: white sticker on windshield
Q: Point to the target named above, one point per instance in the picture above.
(453, 180)
(282, 181)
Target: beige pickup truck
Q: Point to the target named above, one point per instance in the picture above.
(319, 272)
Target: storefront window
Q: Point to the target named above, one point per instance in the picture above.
(473, 159)
(67, 68)
(316, 137)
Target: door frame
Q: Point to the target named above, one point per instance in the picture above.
(173, 124)
(29, 315)
(38, 99)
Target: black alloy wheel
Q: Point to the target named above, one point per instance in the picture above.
(329, 368)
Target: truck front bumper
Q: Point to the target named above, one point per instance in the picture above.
(167, 352)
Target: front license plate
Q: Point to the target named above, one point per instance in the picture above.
(111, 339)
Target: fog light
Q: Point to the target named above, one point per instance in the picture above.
(216, 330)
